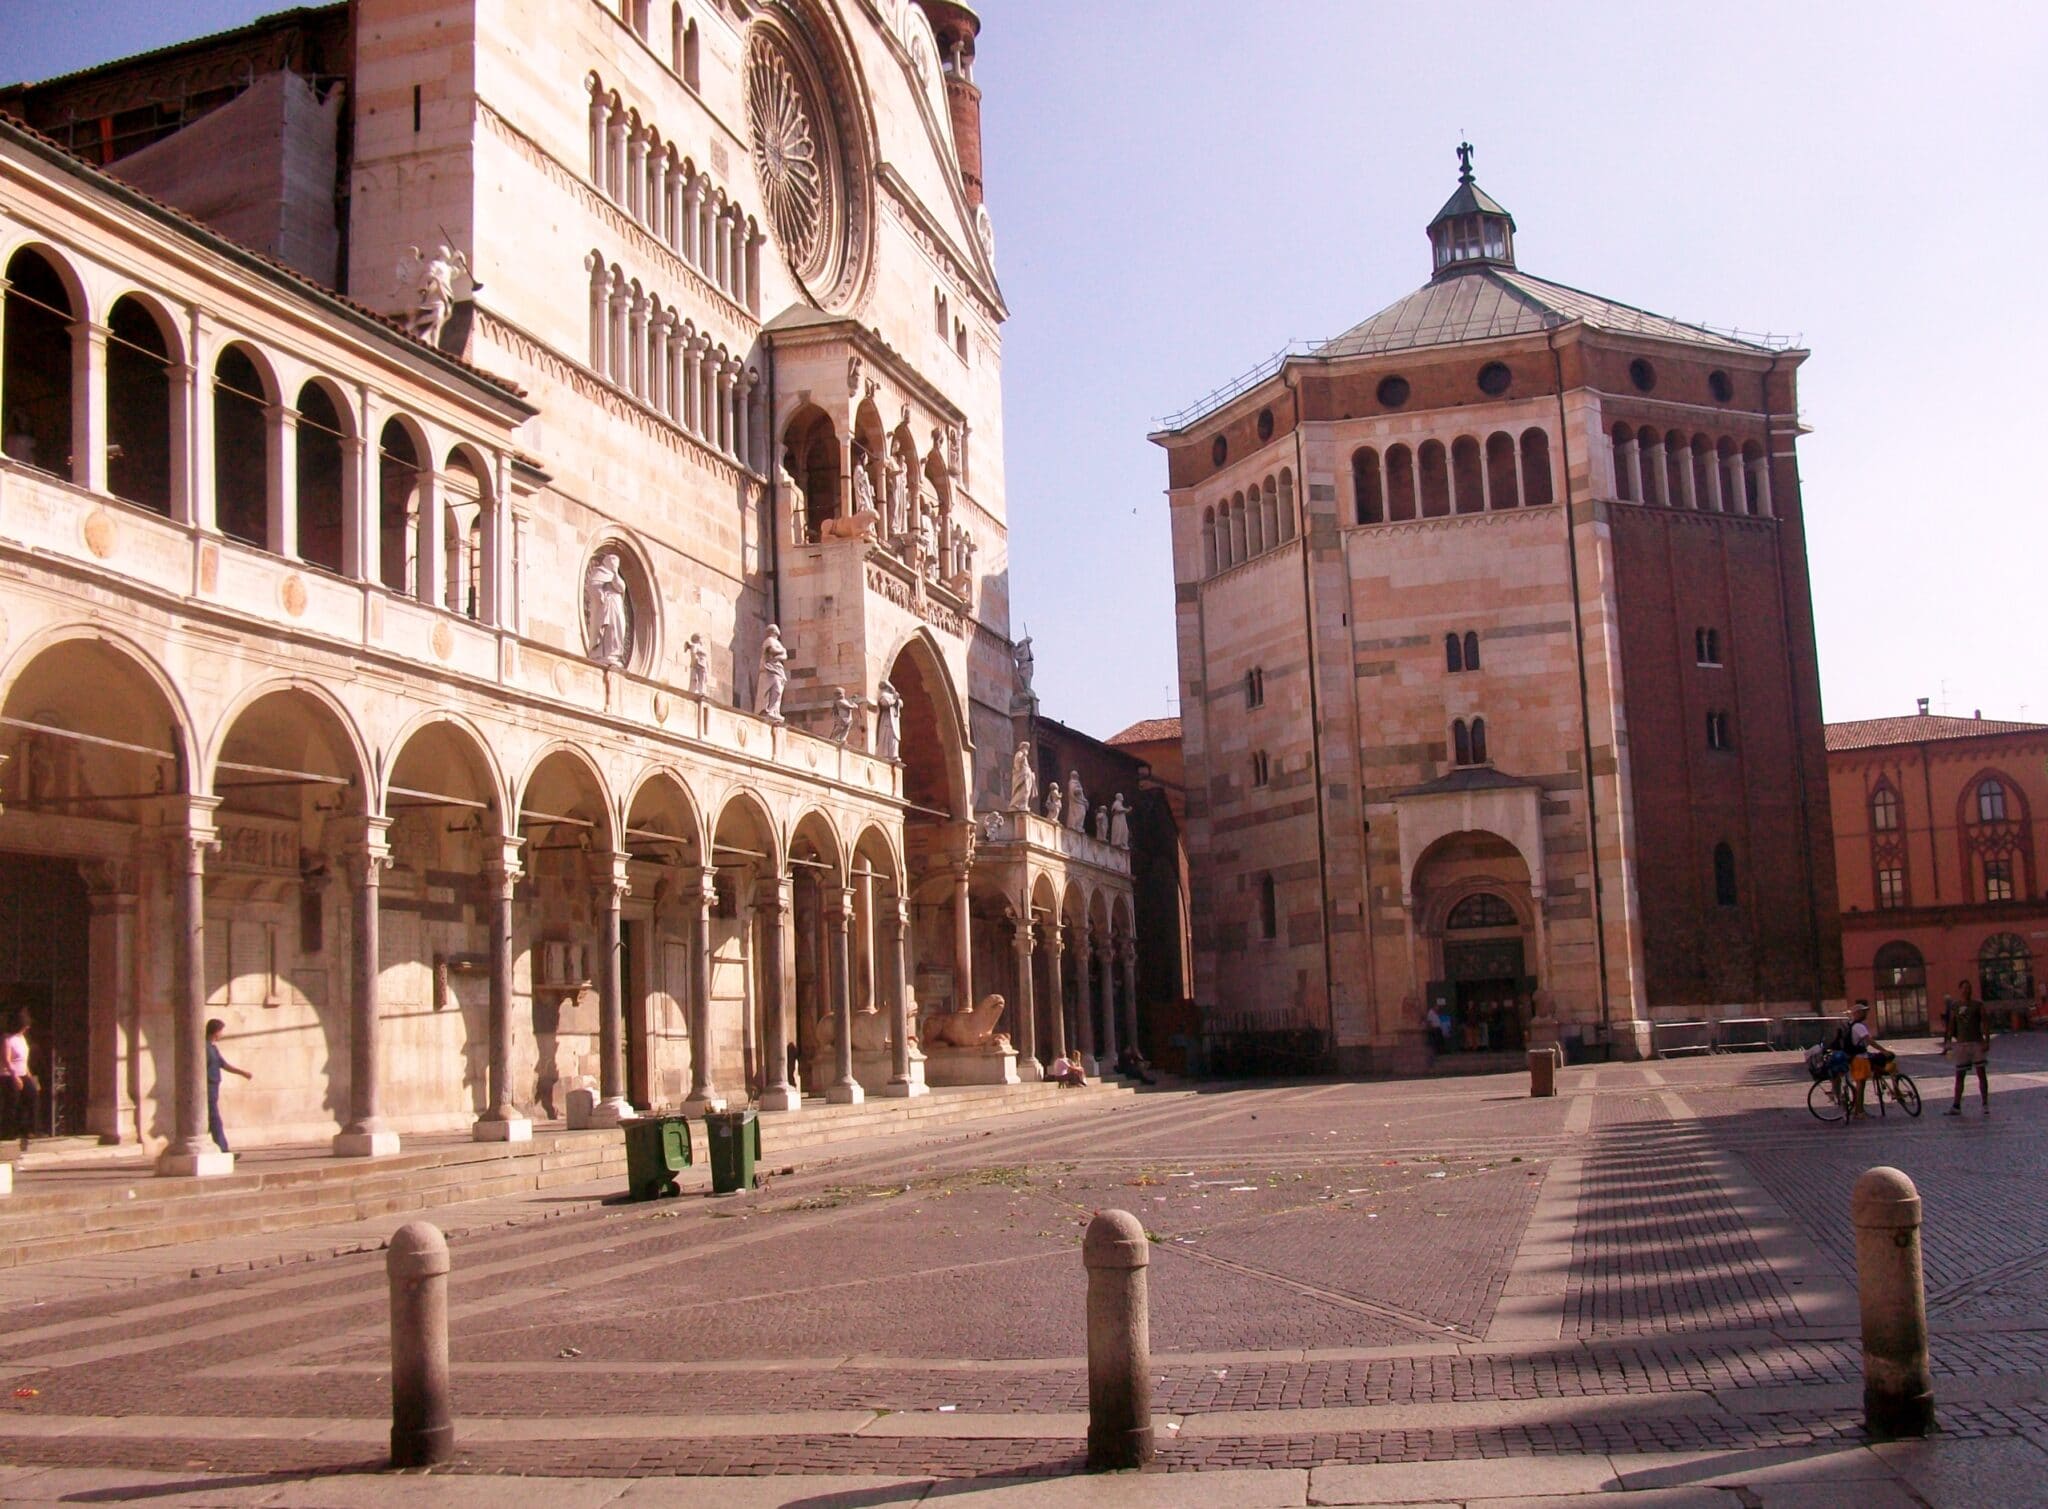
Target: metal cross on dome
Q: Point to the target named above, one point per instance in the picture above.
(1464, 162)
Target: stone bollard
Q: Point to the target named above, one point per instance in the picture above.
(1115, 1253)
(422, 1425)
(1898, 1389)
(1542, 1072)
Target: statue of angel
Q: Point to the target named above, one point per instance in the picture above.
(843, 710)
(888, 721)
(607, 619)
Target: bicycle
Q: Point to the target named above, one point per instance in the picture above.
(1832, 1099)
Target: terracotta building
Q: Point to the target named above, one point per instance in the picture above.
(505, 571)
(1498, 679)
(1938, 824)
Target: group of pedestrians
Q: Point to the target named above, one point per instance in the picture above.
(1965, 1039)
(21, 1091)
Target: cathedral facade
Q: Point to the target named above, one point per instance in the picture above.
(506, 577)
(1498, 686)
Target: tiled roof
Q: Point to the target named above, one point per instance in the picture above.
(1467, 778)
(1873, 733)
(1147, 731)
(1490, 302)
(35, 141)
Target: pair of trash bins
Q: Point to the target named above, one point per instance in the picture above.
(658, 1149)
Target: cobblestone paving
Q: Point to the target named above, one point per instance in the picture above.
(1327, 1247)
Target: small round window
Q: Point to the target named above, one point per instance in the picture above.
(1642, 374)
(1219, 451)
(1494, 379)
(1265, 424)
(1393, 392)
(1721, 386)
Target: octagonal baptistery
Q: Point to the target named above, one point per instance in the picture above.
(1500, 703)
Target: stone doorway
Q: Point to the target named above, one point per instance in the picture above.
(45, 931)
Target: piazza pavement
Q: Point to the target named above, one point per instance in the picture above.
(1419, 1292)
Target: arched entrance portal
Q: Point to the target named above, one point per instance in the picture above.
(938, 830)
(1901, 989)
(1478, 944)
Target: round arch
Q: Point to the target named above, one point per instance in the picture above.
(561, 781)
(240, 735)
(89, 666)
(935, 743)
(660, 806)
(441, 756)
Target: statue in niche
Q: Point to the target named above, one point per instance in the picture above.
(853, 374)
(607, 612)
(843, 710)
(1101, 823)
(799, 506)
(1023, 780)
(1053, 797)
(1021, 655)
(774, 677)
(430, 282)
(1077, 803)
(888, 721)
(1120, 822)
(697, 656)
(893, 476)
(969, 1027)
(863, 485)
(927, 558)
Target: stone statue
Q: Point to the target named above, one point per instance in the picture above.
(863, 488)
(970, 1027)
(892, 483)
(1021, 654)
(774, 678)
(799, 512)
(888, 722)
(430, 281)
(1101, 823)
(1077, 803)
(1023, 780)
(1054, 795)
(607, 620)
(1120, 822)
(697, 655)
(927, 548)
(843, 710)
(870, 1031)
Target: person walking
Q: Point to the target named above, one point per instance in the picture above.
(1964, 1034)
(215, 1066)
(19, 1089)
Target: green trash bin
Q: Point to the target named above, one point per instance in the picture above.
(735, 1141)
(657, 1149)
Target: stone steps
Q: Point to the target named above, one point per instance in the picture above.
(84, 1212)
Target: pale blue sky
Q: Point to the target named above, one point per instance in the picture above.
(1180, 187)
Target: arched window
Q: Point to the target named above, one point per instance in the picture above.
(1272, 502)
(1368, 502)
(1717, 730)
(1624, 471)
(1704, 491)
(1478, 741)
(1261, 768)
(1501, 486)
(241, 449)
(1454, 655)
(139, 416)
(1286, 505)
(2005, 969)
(1461, 743)
(1900, 980)
(1471, 649)
(636, 15)
(320, 527)
(1991, 800)
(1255, 687)
(1269, 908)
(1536, 489)
(1724, 876)
(1436, 480)
(1240, 547)
(398, 503)
(1400, 482)
(1482, 909)
(1208, 542)
(1706, 646)
(1468, 476)
(1884, 809)
(1650, 463)
(36, 365)
(1752, 478)
(1254, 525)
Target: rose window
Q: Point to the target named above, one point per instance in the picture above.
(789, 157)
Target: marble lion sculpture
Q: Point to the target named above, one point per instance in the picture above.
(865, 525)
(870, 1031)
(972, 1027)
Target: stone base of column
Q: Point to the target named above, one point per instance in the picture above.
(1029, 1070)
(1090, 1067)
(365, 1144)
(211, 1164)
(504, 1129)
(905, 1089)
(697, 1105)
(848, 1094)
(610, 1113)
(785, 1099)
(6, 1179)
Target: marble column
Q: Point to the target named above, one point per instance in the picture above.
(612, 1106)
(963, 940)
(773, 903)
(365, 1136)
(1084, 1009)
(189, 837)
(111, 895)
(1128, 954)
(844, 1090)
(700, 898)
(1056, 980)
(896, 946)
(89, 406)
(1023, 1014)
(501, 1121)
(1105, 962)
